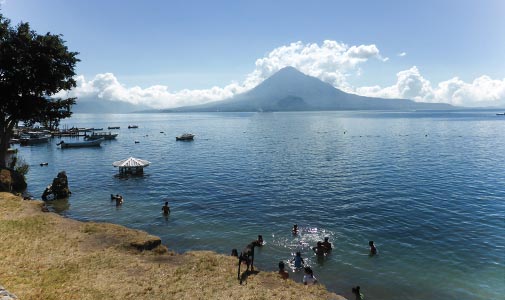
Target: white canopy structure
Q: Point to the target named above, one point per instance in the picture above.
(131, 165)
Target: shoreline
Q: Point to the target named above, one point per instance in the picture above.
(48, 256)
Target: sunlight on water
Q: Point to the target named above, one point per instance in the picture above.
(428, 188)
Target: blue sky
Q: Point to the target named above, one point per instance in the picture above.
(177, 51)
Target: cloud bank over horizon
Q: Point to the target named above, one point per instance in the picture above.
(332, 62)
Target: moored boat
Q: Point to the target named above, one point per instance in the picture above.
(92, 143)
(113, 127)
(185, 137)
(32, 138)
(104, 135)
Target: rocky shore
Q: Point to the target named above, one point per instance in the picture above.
(46, 256)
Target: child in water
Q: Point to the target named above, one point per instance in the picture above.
(298, 260)
(308, 278)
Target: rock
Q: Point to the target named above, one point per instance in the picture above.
(59, 188)
(148, 244)
(5, 295)
(11, 181)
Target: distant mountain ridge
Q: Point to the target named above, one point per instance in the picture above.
(101, 106)
(291, 90)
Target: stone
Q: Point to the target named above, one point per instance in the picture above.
(11, 181)
(59, 188)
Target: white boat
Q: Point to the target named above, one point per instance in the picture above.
(185, 137)
(104, 135)
(34, 137)
(92, 143)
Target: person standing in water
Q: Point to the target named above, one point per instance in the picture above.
(356, 291)
(166, 209)
(282, 272)
(327, 245)
(298, 260)
(260, 240)
(373, 249)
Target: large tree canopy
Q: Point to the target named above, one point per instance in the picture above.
(33, 68)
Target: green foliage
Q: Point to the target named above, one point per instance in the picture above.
(33, 68)
(22, 167)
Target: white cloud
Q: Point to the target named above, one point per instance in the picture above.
(331, 61)
(402, 54)
(410, 84)
(106, 86)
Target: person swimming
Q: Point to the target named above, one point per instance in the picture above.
(295, 229)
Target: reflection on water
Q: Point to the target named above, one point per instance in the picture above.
(424, 186)
(58, 206)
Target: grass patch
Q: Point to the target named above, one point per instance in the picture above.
(45, 256)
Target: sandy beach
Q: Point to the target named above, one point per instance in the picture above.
(46, 256)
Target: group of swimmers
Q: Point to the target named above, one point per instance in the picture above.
(321, 249)
(119, 200)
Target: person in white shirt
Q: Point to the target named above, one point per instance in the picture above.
(309, 278)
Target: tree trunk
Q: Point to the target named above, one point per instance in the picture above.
(5, 136)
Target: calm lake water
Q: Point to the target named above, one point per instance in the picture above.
(427, 187)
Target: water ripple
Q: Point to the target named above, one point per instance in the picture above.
(426, 187)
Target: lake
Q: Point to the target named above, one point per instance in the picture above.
(427, 187)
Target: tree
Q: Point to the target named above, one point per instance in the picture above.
(33, 68)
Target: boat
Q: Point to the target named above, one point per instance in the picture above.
(132, 126)
(113, 127)
(97, 129)
(92, 143)
(185, 137)
(500, 114)
(105, 135)
(34, 137)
